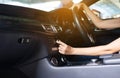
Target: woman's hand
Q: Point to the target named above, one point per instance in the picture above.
(79, 5)
(64, 48)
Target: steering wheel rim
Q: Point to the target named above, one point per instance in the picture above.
(83, 28)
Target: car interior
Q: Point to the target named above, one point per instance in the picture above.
(28, 47)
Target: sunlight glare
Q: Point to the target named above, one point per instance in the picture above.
(77, 1)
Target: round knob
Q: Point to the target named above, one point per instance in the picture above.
(54, 61)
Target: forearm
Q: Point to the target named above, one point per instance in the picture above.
(104, 24)
(95, 19)
(110, 48)
(92, 51)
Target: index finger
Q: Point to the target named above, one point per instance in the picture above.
(60, 42)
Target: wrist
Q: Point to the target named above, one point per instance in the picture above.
(72, 50)
(69, 50)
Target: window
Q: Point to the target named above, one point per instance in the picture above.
(107, 9)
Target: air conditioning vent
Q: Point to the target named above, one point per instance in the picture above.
(51, 28)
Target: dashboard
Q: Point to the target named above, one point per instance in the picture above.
(22, 23)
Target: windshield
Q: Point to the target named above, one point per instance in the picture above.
(46, 5)
(106, 8)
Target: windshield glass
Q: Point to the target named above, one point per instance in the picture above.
(46, 5)
(106, 8)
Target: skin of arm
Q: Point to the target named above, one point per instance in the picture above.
(91, 51)
(97, 50)
(103, 24)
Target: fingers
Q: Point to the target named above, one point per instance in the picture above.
(80, 4)
(60, 42)
(62, 49)
(62, 46)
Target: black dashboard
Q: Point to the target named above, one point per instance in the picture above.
(26, 18)
(24, 31)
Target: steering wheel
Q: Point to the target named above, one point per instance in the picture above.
(66, 17)
(83, 25)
